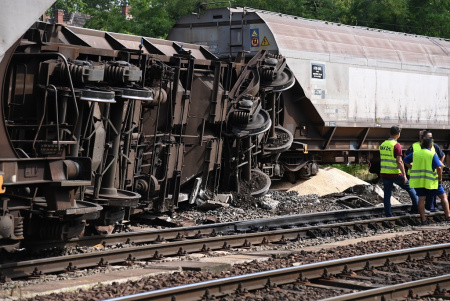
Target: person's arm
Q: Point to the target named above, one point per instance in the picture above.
(408, 161)
(402, 168)
(437, 164)
(439, 152)
(398, 157)
(439, 173)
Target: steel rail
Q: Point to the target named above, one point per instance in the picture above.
(157, 251)
(254, 281)
(404, 291)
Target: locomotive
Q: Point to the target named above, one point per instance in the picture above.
(98, 124)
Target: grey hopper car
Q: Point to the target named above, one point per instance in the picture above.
(352, 83)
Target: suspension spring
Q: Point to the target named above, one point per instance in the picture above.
(18, 229)
(241, 117)
(114, 73)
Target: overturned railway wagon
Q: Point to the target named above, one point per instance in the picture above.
(352, 83)
(95, 125)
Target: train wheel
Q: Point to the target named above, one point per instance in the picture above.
(260, 183)
(281, 143)
(291, 177)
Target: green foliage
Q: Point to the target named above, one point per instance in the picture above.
(154, 18)
(110, 20)
(360, 171)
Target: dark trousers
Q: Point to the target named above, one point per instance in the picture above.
(388, 183)
(430, 203)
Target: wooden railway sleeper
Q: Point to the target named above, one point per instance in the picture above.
(282, 241)
(130, 260)
(159, 239)
(246, 244)
(387, 224)
(225, 246)
(156, 256)
(205, 250)
(301, 279)
(269, 285)
(388, 262)
(367, 267)
(440, 291)
(401, 222)
(327, 275)
(374, 226)
(360, 227)
(439, 218)
(344, 230)
(207, 296)
(179, 237)
(102, 263)
(347, 272)
(199, 235)
(315, 233)
(35, 274)
(330, 232)
(181, 252)
(241, 291)
(71, 267)
(298, 238)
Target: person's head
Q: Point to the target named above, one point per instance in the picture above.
(421, 135)
(395, 131)
(427, 142)
(427, 134)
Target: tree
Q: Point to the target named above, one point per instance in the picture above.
(69, 5)
(431, 18)
(155, 18)
(383, 14)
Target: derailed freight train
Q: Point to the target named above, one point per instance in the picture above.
(97, 124)
(352, 83)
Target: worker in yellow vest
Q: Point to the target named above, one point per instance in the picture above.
(426, 177)
(430, 202)
(393, 171)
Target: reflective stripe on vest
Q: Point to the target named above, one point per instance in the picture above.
(422, 174)
(388, 161)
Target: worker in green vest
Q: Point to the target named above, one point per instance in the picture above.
(426, 177)
(393, 171)
(430, 202)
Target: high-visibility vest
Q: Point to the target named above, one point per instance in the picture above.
(417, 147)
(422, 174)
(388, 161)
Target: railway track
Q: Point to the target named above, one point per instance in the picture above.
(238, 227)
(155, 245)
(371, 275)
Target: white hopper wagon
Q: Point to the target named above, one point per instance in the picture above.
(352, 83)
